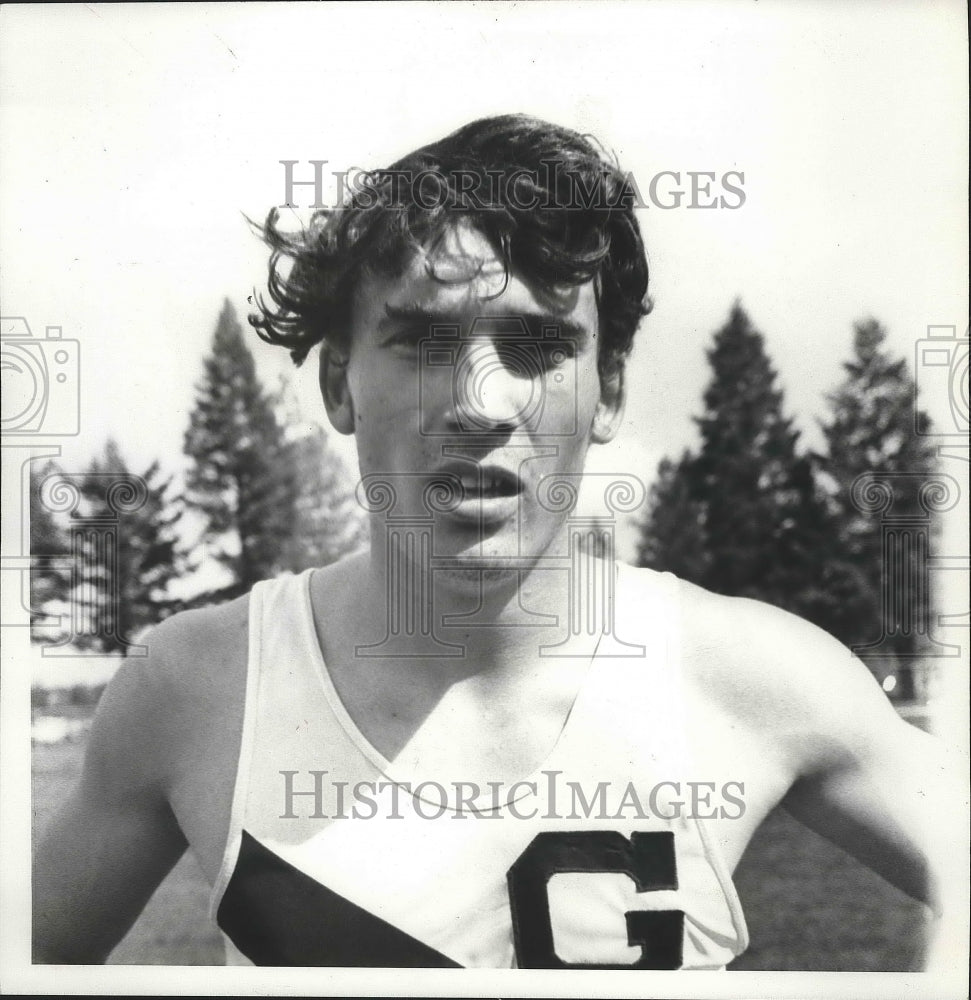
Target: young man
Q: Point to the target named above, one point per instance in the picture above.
(482, 742)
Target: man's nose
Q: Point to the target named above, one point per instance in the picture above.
(495, 386)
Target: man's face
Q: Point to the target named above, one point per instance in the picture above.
(460, 378)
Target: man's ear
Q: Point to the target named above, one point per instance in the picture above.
(610, 409)
(335, 389)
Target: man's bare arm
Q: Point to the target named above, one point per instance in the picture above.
(115, 838)
(861, 776)
(825, 739)
(875, 785)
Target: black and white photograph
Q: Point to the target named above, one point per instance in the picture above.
(485, 499)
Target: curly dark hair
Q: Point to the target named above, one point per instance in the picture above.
(557, 208)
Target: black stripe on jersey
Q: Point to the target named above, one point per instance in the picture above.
(278, 915)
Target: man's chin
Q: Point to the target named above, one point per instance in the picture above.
(491, 559)
(476, 575)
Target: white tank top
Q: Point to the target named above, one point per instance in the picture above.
(336, 857)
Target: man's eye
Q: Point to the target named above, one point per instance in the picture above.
(407, 339)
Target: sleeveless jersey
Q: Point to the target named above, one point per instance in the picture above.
(337, 857)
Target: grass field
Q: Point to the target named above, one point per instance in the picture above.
(809, 906)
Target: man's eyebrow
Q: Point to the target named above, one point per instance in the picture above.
(416, 314)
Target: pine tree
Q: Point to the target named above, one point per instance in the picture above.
(673, 535)
(122, 594)
(762, 516)
(871, 430)
(742, 516)
(240, 479)
(327, 521)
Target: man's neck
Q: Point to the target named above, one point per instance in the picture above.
(470, 622)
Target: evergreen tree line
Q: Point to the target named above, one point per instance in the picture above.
(262, 494)
(749, 513)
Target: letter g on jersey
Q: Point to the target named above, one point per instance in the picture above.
(648, 859)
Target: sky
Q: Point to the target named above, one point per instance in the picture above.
(137, 138)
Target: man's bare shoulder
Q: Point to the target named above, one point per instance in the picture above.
(191, 645)
(748, 648)
(156, 706)
(777, 675)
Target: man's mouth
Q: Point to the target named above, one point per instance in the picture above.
(488, 493)
(490, 483)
